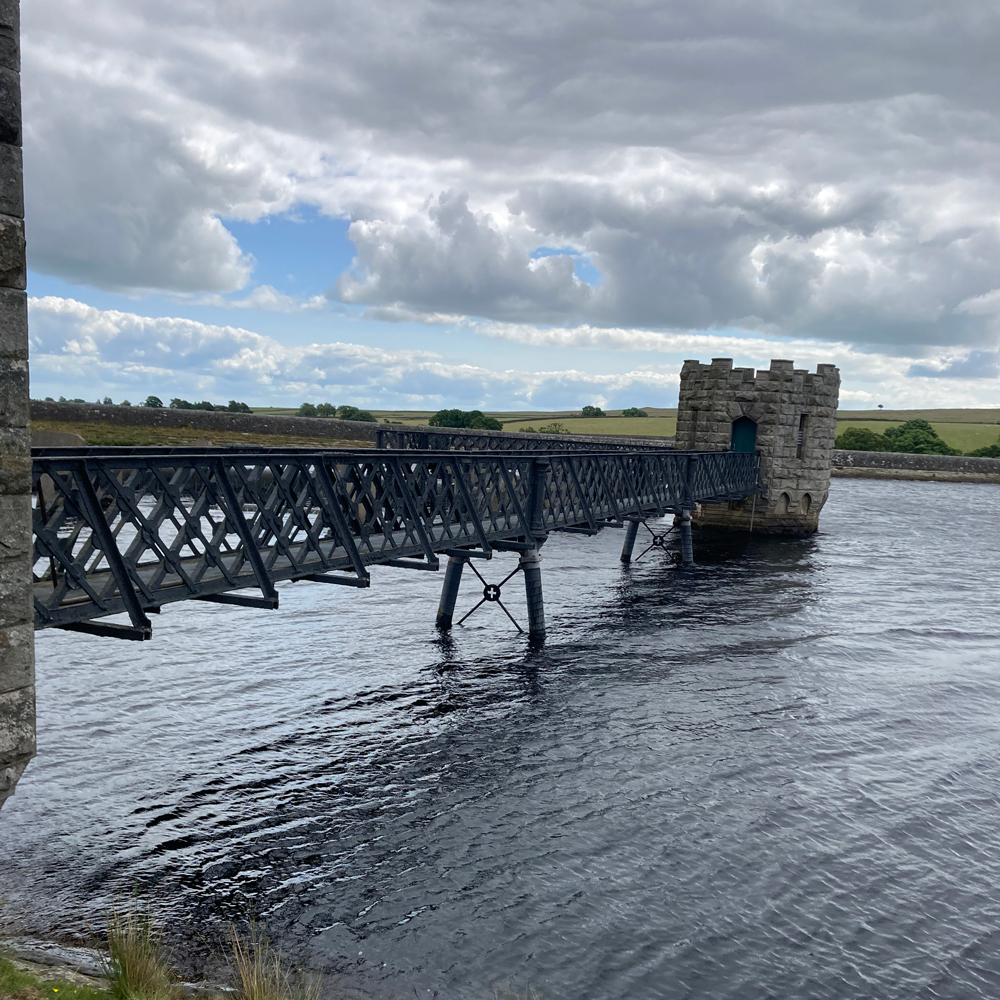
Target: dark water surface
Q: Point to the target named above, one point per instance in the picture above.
(777, 775)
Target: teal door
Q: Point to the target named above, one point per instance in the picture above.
(744, 435)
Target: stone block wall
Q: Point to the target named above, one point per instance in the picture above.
(17, 648)
(796, 416)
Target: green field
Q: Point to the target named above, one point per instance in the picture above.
(629, 426)
(963, 429)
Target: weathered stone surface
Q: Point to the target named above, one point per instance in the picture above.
(15, 526)
(17, 691)
(9, 775)
(925, 463)
(13, 324)
(17, 657)
(797, 476)
(11, 185)
(10, 107)
(13, 393)
(10, 32)
(17, 734)
(16, 605)
(12, 268)
(15, 461)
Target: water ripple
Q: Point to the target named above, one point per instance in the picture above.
(773, 776)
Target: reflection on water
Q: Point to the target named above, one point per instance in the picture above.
(773, 775)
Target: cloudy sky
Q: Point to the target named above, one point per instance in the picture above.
(418, 203)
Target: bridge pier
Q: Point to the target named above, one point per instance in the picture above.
(530, 565)
(449, 592)
(631, 531)
(684, 530)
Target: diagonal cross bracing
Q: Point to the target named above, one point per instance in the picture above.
(131, 529)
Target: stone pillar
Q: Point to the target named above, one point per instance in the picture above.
(449, 592)
(631, 530)
(17, 639)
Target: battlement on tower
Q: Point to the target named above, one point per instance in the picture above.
(785, 414)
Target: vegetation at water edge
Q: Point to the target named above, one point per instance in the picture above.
(17, 985)
(134, 964)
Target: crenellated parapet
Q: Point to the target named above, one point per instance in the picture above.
(785, 414)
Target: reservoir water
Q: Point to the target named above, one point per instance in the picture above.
(774, 775)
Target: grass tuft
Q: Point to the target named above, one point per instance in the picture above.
(135, 966)
(260, 972)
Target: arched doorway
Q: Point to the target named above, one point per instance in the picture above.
(744, 438)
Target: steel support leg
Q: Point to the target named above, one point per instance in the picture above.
(684, 529)
(631, 530)
(530, 566)
(449, 592)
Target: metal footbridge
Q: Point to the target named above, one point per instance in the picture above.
(128, 530)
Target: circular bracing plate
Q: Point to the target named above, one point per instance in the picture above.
(491, 592)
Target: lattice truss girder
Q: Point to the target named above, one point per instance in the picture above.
(132, 530)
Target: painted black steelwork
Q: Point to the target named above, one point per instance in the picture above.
(131, 529)
(452, 439)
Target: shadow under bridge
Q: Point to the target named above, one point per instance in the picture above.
(131, 529)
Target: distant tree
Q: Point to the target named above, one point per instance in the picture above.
(153, 401)
(861, 439)
(990, 451)
(917, 437)
(49, 399)
(592, 411)
(63, 399)
(471, 419)
(124, 402)
(307, 410)
(353, 413)
(78, 400)
(326, 410)
(555, 428)
(237, 407)
(448, 418)
(634, 411)
(108, 401)
(183, 404)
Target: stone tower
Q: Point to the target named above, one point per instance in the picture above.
(787, 415)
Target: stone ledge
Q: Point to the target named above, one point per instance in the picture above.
(845, 462)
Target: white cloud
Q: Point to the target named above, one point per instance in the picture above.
(80, 350)
(811, 170)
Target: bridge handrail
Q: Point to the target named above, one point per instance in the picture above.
(454, 438)
(128, 530)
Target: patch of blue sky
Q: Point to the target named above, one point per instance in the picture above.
(300, 253)
(583, 266)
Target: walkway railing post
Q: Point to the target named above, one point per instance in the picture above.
(449, 592)
(631, 531)
(530, 563)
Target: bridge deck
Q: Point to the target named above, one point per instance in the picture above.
(131, 529)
